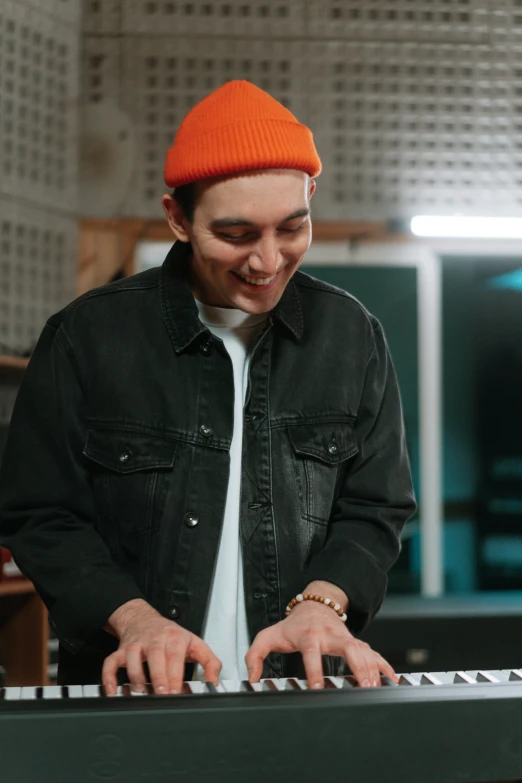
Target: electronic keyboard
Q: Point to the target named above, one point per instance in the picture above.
(433, 727)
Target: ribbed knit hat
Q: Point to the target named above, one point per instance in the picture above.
(238, 127)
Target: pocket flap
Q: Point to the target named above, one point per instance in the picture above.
(127, 452)
(330, 442)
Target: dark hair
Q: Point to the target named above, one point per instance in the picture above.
(185, 195)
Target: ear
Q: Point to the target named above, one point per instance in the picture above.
(177, 221)
(312, 188)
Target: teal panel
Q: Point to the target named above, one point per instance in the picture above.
(390, 294)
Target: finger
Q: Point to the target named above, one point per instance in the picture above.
(387, 669)
(371, 660)
(201, 653)
(358, 664)
(134, 662)
(156, 658)
(313, 665)
(175, 656)
(110, 668)
(256, 655)
(376, 664)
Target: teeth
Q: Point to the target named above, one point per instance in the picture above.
(255, 281)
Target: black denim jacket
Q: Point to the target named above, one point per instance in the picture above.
(115, 471)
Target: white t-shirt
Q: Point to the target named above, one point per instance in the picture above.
(226, 630)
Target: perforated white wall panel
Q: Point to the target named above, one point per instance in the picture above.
(39, 96)
(415, 106)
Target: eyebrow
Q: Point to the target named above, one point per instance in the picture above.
(241, 221)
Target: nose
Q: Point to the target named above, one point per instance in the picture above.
(266, 257)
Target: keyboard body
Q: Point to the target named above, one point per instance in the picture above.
(457, 727)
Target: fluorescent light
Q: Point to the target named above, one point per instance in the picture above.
(461, 226)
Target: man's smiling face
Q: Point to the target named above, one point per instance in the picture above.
(249, 234)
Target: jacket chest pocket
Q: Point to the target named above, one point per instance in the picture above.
(320, 452)
(131, 477)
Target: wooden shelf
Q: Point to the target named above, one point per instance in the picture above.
(16, 587)
(24, 634)
(12, 369)
(16, 362)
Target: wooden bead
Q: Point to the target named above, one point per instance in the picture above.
(319, 599)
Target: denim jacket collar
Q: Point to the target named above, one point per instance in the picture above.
(180, 312)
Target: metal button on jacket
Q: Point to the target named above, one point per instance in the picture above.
(333, 447)
(205, 349)
(125, 456)
(191, 519)
(206, 431)
(174, 611)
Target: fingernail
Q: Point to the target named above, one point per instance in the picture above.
(317, 685)
(366, 683)
(376, 681)
(161, 689)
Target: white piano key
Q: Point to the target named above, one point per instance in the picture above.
(409, 679)
(333, 683)
(75, 691)
(259, 687)
(444, 678)
(486, 676)
(28, 693)
(293, 684)
(12, 694)
(196, 686)
(91, 691)
(502, 676)
(273, 684)
(464, 677)
(387, 683)
(429, 678)
(219, 688)
(131, 692)
(515, 675)
(349, 682)
(276, 683)
(52, 692)
(232, 686)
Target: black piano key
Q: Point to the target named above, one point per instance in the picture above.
(330, 685)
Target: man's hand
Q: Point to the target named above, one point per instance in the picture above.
(314, 630)
(146, 636)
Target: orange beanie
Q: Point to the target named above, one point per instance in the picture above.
(239, 127)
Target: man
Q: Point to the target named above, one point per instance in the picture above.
(195, 446)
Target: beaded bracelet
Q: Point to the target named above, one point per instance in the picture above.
(320, 599)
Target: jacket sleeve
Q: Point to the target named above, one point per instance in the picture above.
(47, 514)
(375, 499)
